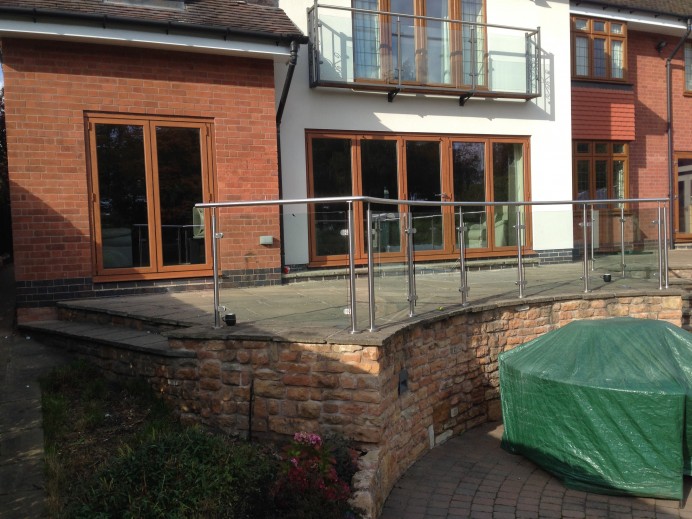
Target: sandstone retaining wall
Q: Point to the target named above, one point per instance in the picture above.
(398, 398)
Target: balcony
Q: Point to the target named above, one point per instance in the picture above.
(369, 50)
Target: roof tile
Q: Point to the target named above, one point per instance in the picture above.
(259, 16)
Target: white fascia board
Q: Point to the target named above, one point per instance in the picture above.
(142, 39)
(640, 21)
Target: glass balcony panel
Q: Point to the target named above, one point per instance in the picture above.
(367, 49)
(626, 247)
(475, 227)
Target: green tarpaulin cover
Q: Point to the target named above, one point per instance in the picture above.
(604, 405)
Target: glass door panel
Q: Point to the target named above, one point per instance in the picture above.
(366, 40)
(179, 161)
(684, 208)
(473, 37)
(437, 67)
(583, 188)
(423, 183)
(508, 186)
(123, 212)
(403, 40)
(331, 162)
(468, 170)
(379, 174)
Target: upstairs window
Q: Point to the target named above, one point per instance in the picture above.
(420, 42)
(599, 49)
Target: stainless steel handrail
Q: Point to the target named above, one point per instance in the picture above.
(410, 230)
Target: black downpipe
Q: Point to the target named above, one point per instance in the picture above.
(292, 61)
(669, 93)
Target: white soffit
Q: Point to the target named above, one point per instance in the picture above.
(234, 45)
(635, 20)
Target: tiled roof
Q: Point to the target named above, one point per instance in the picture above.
(681, 8)
(253, 16)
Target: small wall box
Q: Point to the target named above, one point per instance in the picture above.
(266, 240)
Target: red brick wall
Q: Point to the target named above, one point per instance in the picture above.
(602, 113)
(50, 85)
(649, 151)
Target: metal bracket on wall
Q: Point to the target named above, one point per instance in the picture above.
(464, 98)
(392, 94)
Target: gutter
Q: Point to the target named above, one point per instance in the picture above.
(292, 61)
(105, 20)
(620, 8)
(669, 122)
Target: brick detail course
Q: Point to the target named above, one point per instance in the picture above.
(44, 293)
(601, 113)
(449, 363)
(50, 87)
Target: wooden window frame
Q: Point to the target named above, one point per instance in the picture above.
(687, 63)
(450, 249)
(156, 269)
(592, 155)
(456, 63)
(591, 34)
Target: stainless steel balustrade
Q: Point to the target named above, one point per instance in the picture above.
(493, 60)
(409, 232)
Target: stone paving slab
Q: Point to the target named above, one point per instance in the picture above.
(22, 361)
(470, 476)
(114, 335)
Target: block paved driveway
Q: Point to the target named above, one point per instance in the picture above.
(470, 476)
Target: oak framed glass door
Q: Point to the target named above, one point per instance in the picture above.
(146, 176)
(683, 193)
(434, 168)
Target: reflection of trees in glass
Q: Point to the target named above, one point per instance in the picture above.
(469, 171)
(379, 169)
(331, 163)
(423, 182)
(423, 170)
(379, 173)
(507, 172)
(331, 169)
(180, 173)
(121, 167)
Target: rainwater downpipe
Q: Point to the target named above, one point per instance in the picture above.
(292, 61)
(669, 94)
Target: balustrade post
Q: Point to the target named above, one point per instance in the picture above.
(660, 248)
(463, 288)
(665, 245)
(622, 240)
(585, 225)
(410, 231)
(521, 282)
(371, 279)
(215, 265)
(352, 267)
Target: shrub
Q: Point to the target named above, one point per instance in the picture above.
(309, 485)
(188, 473)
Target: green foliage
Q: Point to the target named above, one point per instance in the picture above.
(188, 473)
(114, 450)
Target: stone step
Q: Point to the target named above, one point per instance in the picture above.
(76, 335)
(85, 311)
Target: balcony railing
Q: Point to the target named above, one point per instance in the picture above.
(364, 49)
(619, 239)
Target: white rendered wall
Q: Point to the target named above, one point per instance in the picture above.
(546, 120)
